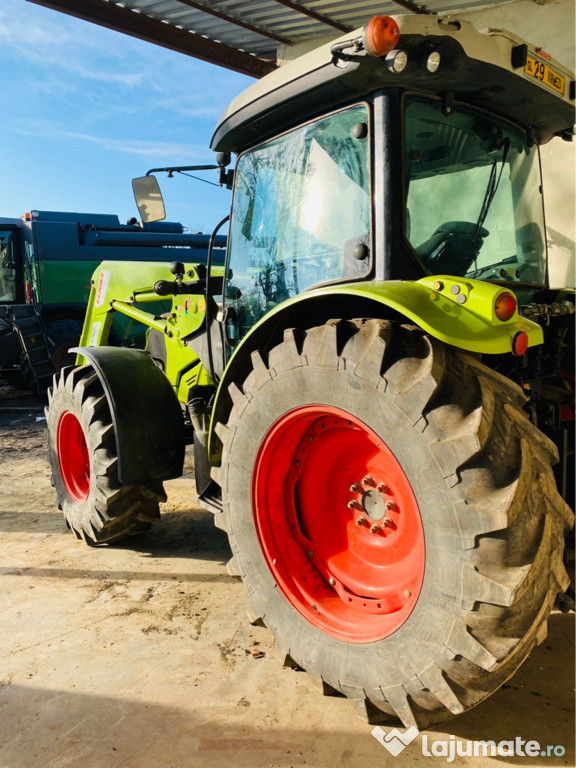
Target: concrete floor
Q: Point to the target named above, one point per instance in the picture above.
(139, 655)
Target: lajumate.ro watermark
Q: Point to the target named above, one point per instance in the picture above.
(396, 742)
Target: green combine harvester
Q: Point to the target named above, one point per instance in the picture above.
(46, 263)
(378, 382)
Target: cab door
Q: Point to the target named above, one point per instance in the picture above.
(11, 282)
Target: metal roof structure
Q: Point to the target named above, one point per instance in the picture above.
(244, 35)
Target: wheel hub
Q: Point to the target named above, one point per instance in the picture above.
(348, 553)
(374, 505)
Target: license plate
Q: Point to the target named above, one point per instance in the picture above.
(543, 72)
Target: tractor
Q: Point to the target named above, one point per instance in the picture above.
(377, 383)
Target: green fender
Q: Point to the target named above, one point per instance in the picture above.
(457, 311)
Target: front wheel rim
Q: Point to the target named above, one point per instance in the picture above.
(338, 523)
(73, 457)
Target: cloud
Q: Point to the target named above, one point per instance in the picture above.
(102, 73)
(90, 107)
(193, 105)
(56, 131)
(141, 147)
(128, 79)
(51, 42)
(22, 28)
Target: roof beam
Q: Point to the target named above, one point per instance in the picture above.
(112, 16)
(413, 7)
(235, 21)
(313, 15)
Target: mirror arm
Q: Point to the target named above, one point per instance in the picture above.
(179, 168)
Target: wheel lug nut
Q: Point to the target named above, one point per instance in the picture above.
(391, 506)
(375, 529)
(387, 522)
(382, 487)
(354, 504)
(356, 488)
(361, 521)
(369, 480)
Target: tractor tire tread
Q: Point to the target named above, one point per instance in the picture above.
(509, 519)
(113, 510)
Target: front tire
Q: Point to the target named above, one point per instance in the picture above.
(428, 606)
(82, 454)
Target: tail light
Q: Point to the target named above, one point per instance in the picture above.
(505, 306)
(520, 344)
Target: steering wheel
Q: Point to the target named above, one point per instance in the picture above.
(453, 247)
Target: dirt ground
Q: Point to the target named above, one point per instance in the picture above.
(139, 655)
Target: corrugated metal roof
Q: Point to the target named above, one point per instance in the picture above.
(244, 35)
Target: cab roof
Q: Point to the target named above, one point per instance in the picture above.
(496, 71)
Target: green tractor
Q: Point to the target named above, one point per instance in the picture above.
(377, 382)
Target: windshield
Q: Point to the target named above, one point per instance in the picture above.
(474, 205)
(300, 215)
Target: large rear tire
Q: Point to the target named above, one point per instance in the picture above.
(62, 335)
(83, 457)
(394, 516)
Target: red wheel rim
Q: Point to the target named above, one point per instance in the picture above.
(338, 524)
(73, 457)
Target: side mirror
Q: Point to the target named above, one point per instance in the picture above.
(149, 199)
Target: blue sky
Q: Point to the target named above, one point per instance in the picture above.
(86, 109)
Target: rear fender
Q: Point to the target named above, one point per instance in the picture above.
(147, 417)
(457, 311)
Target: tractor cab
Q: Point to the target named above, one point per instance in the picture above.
(360, 162)
(466, 202)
